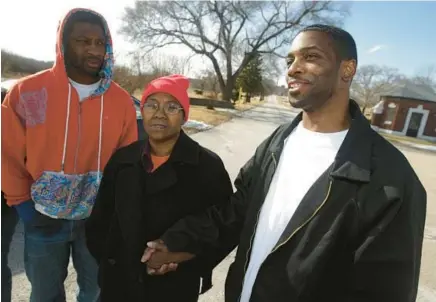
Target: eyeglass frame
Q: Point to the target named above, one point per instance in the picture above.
(164, 107)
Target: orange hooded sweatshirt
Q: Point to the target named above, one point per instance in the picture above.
(44, 122)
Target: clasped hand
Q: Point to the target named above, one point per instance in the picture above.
(160, 260)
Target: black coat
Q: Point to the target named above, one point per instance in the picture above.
(356, 235)
(134, 207)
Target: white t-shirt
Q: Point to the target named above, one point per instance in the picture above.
(305, 156)
(84, 90)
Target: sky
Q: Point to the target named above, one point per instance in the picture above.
(398, 34)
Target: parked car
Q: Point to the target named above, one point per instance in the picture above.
(141, 130)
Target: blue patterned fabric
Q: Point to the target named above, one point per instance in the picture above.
(66, 196)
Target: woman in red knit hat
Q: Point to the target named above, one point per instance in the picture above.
(146, 188)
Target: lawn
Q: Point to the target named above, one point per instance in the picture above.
(241, 106)
(400, 139)
(208, 116)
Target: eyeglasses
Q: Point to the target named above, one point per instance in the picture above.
(170, 108)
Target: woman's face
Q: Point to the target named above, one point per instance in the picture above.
(163, 116)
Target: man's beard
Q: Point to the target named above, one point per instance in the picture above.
(79, 65)
(312, 101)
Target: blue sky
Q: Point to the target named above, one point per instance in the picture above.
(400, 34)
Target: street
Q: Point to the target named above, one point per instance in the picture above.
(235, 141)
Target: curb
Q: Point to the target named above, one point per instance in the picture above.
(416, 146)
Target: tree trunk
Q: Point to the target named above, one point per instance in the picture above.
(247, 97)
(227, 90)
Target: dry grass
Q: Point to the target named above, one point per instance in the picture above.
(399, 139)
(209, 116)
(241, 106)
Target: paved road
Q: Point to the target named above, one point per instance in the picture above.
(235, 141)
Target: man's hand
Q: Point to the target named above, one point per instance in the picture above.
(161, 261)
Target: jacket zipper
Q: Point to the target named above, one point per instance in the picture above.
(293, 233)
(274, 160)
(249, 249)
(254, 231)
(79, 135)
(307, 221)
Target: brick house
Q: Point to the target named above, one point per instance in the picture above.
(408, 110)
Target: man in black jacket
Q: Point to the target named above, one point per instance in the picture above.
(326, 209)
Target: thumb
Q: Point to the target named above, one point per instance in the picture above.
(147, 254)
(157, 245)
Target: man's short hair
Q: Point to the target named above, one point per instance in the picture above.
(343, 42)
(80, 17)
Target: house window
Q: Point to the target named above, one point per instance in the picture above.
(390, 114)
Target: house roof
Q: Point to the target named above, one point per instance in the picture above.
(411, 90)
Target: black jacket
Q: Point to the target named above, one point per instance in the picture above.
(356, 235)
(134, 207)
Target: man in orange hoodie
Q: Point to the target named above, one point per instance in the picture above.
(59, 128)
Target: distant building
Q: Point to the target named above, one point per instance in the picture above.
(408, 110)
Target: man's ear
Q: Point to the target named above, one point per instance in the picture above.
(348, 70)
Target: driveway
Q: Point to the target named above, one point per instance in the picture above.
(235, 141)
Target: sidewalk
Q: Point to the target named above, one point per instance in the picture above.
(430, 148)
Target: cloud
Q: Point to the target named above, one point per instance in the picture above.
(376, 48)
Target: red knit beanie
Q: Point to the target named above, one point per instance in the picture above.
(175, 85)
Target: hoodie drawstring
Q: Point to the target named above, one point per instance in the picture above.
(100, 133)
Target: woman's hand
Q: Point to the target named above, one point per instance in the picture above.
(160, 260)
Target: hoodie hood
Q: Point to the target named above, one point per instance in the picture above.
(106, 71)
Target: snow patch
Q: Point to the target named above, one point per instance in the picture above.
(197, 125)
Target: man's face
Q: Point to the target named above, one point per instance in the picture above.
(86, 48)
(162, 116)
(313, 70)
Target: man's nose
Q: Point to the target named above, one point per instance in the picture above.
(96, 48)
(295, 68)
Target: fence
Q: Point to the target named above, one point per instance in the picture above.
(211, 103)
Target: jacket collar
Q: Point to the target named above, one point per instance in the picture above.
(353, 160)
(185, 151)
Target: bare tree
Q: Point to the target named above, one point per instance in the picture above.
(273, 67)
(125, 78)
(158, 63)
(16, 65)
(371, 81)
(234, 31)
(426, 76)
(210, 82)
(141, 69)
(136, 63)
